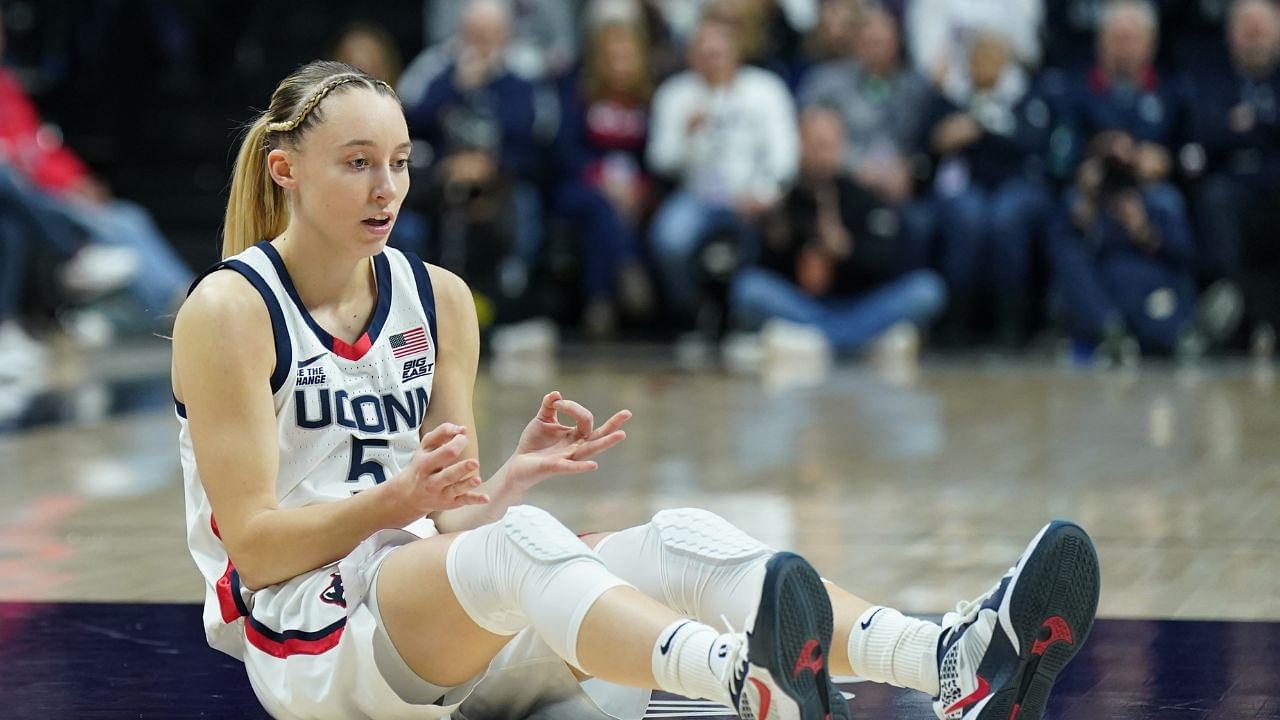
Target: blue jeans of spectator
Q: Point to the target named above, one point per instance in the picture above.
(988, 237)
(527, 199)
(608, 243)
(163, 277)
(849, 323)
(12, 266)
(37, 215)
(679, 228)
(919, 228)
(1230, 210)
(1117, 288)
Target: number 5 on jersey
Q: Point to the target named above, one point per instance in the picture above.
(361, 467)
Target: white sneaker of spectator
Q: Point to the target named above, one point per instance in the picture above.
(88, 328)
(742, 353)
(20, 354)
(525, 352)
(899, 344)
(801, 352)
(99, 269)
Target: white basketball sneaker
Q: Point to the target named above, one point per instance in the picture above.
(779, 667)
(1000, 654)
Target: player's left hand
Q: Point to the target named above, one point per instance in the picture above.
(547, 448)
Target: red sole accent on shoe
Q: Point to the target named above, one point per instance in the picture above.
(810, 658)
(1059, 631)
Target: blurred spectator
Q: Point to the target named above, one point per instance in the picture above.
(489, 132)
(1237, 120)
(1238, 123)
(1074, 26)
(1125, 99)
(991, 187)
(1124, 91)
(831, 254)
(882, 103)
(834, 36)
(941, 33)
(371, 48)
(605, 190)
(46, 182)
(665, 50)
(1122, 263)
(726, 134)
(769, 32)
(544, 38)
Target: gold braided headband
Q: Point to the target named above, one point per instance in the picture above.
(331, 83)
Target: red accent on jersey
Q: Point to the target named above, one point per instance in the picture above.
(292, 646)
(342, 348)
(226, 600)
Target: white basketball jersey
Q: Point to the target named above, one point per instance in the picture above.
(347, 415)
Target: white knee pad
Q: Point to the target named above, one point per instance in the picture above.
(692, 560)
(525, 570)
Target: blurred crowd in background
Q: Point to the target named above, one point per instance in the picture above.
(785, 177)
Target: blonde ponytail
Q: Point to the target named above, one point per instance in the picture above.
(258, 208)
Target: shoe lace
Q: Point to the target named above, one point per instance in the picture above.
(736, 665)
(966, 611)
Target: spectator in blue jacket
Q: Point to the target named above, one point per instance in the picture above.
(1124, 92)
(988, 147)
(1122, 263)
(488, 128)
(1237, 121)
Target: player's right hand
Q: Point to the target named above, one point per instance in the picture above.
(435, 478)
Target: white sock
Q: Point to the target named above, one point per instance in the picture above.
(886, 646)
(691, 664)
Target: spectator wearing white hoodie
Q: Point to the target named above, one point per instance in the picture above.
(726, 135)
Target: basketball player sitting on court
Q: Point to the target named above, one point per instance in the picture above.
(358, 565)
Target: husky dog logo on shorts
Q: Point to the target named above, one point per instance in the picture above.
(334, 594)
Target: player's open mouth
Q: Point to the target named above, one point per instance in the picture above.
(379, 224)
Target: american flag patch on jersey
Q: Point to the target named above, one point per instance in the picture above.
(409, 342)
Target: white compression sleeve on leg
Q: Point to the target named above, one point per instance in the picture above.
(693, 561)
(528, 570)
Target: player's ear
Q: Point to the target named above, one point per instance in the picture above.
(280, 167)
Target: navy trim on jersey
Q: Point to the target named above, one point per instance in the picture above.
(236, 597)
(281, 636)
(181, 408)
(279, 330)
(426, 294)
(382, 275)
